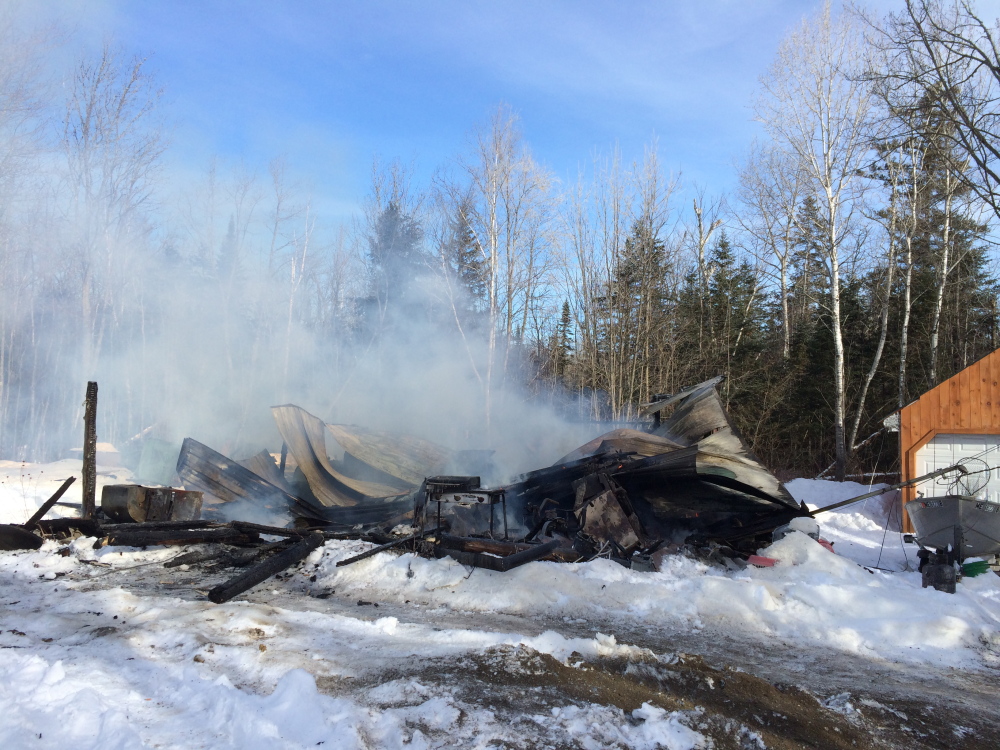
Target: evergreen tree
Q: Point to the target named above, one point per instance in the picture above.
(564, 343)
(464, 262)
(395, 255)
(633, 315)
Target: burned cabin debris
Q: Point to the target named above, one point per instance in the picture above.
(690, 479)
(689, 482)
(133, 503)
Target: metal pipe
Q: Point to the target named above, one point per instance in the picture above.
(842, 503)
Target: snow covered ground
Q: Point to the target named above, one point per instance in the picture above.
(106, 648)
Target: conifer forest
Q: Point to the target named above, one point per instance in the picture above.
(852, 268)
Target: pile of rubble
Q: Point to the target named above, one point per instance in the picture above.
(688, 484)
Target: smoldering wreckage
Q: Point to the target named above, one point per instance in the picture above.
(686, 485)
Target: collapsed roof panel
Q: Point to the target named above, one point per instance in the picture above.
(304, 434)
(222, 479)
(263, 465)
(405, 457)
(701, 419)
(623, 440)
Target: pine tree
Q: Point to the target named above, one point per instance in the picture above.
(464, 262)
(395, 255)
(564, 343)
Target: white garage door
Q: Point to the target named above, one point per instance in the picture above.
(947, 450)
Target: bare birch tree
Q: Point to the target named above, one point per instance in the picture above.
(112, 146)
(508, 198)
(816, 109)
(771, 188)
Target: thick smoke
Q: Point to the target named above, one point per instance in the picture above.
(197, 312)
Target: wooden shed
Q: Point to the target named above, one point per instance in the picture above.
(958, 420)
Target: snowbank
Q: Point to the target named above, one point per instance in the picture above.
(86, 664)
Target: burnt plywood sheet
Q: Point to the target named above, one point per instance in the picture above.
(405, 457)
(304, 434)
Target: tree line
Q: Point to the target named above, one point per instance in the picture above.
(849, 271)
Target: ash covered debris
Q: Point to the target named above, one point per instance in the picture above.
(689, 482)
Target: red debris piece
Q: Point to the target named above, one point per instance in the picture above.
(761, 562)
(828, 545)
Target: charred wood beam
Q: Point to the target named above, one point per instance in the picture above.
(48, 504)
(502, 548)
(381, 548)
(260, 573)
(56, 526)
(180, 536)
(258, 528)
(90, 452)
(499, 564)
(198, 556)
(163, 525)
(17, 537)
(228, 557)
(243, 558)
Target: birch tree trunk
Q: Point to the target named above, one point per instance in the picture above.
(816, 109)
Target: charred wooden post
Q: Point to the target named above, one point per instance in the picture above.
(284, 458)
(90, 452)
(260, 573)
(48, 504)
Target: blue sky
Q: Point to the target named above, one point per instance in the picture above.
(330, 84)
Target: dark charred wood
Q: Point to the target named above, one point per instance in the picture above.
(499, 564)
(16, 537)
(247, 557)
(260, 573)
(48, 504)
(163, 525)
(180, 536)
(502, 548)
(381, 548)
(199, 556)
(66, 526)
(227, 557)
(258, 528)
(90, 452)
